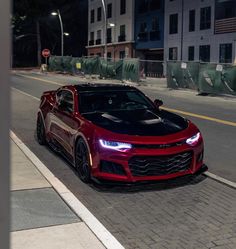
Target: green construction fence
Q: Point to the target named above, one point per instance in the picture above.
(127, 69)
(205, 77)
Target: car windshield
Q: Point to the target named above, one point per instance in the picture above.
(106, 101)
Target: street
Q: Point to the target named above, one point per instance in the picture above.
(182, 213)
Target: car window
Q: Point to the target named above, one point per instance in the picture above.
(111, 101)
(66, 97)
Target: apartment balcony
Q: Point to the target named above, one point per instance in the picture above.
(155, 35)
(98, 41)
(91, 42)
(227, 25)
(143, 36)
(121, 38)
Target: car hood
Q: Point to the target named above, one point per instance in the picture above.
(139, 122)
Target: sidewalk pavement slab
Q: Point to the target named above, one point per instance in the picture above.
(40, 218)
(23, 174)
(39, 208)
(72, 236)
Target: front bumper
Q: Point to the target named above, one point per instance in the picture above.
(138, 164)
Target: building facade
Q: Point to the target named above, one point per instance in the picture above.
(120, 32)
(200, 30)
(149, 29)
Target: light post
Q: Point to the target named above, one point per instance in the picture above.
(105, 28)
(57, 13)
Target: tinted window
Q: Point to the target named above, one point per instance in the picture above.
(65, 100)
(110, 101)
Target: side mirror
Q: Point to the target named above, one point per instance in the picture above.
(158, 103)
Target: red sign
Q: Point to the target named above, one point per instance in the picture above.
(46, 53)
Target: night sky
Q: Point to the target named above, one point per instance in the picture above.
(26, 13)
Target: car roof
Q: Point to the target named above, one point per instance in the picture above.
(90, 87)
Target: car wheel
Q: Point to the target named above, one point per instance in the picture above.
(82, 164)
(40, 130)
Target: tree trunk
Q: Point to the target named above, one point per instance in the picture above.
(39, 46)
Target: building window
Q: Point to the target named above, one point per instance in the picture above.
(173, 54)
(191, 53)
(173, 25)
(91, 41)
(226, 53)
(122, 54)
(143, 6)
(109, 55)
(191, 20)
(109, 35)
(225, 9)
(99, 14)
(122, 7)
(155, 4)
(99, 37)
(109, 10)
(205, 18)
(155, 24)
(122, 33)
(204, 53)
(92, 16)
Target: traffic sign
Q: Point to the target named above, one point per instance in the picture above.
(46, 53)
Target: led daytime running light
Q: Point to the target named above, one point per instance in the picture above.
(114, 145)
(194, 139)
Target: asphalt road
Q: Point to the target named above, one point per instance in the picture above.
(184, 213)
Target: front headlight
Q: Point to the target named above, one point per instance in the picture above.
(194, 139)
(115, 145)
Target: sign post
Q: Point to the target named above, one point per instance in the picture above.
(46, 53)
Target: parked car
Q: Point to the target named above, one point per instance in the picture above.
(115, 132)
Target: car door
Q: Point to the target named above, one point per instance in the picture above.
(64, 124)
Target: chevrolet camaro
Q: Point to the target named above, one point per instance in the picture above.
(116, 133)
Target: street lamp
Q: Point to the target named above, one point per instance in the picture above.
(105, 28)
(57, 13)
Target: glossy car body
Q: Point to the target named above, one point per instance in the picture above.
(129, 144)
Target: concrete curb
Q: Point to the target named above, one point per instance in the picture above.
(107, 239)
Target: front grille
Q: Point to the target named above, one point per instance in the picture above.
(158, 146)
(160, 165)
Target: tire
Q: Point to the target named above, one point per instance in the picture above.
(40, 131)
(82, 164)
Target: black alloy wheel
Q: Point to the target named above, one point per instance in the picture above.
(40, 130)
(82, 164)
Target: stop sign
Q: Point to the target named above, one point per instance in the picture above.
(46, 53)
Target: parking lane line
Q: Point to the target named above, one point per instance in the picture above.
(24, 93)
(225, 122)
(39, 79)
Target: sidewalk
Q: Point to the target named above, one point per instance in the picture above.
(40, 218)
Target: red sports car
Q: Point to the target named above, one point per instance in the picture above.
(115, 132)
